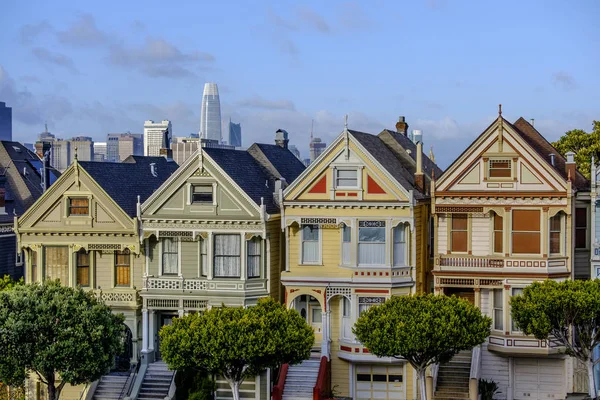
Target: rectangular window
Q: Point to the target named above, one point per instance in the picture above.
(170, 257)
(346, 320)
(580, 228)
(122, 268)
(83, 268)
(56, 263)
(79, 206)
(498, 233)
(253, 257)
(526, 231)
(203, 258)
(310, 244)
(516, 292)
(399, 245)
(202, 194)
(227, 256)
(498, 310)
(317, 317)
(346, 242)
(364, 303)
(346, 178)
(371, 242)
(459, 233)
(555, 229)
(34, 262)
(500, 169)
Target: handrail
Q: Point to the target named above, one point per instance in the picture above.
(133, 370)
(322, 380)
(476, 363)
(172, 387)
(278, 388)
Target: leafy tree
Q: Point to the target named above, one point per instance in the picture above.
(58, 333)
(583, 144)
(8, 283)
(237, 343)
(569, 312)
(422, 329)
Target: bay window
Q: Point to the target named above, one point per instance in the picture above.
(253, 257)
(122, 268)
(371, 242)
(346, 243)
(526, 231)
(459, 234)
(227, 256)
(400, 245)
(203, 258)
(364, 303)
(498, 233)
(555, 234)
(310, 244)
(170, 256)
(82, 260)
(56, 263)
(498, 305)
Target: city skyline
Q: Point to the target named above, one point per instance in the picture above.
(88, 71)
(210, 119)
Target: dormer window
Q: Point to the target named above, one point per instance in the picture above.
(202, 194)
(500, 168)
(347, 178)
(79, 206)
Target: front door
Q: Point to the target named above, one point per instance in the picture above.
(164, 319)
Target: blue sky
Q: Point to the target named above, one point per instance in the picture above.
(90, 68)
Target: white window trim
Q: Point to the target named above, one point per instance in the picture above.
(300, 237)
(356, 169)
(406, 247)
(561, 236)
(388, 260)
(160, 260)
(512, 331)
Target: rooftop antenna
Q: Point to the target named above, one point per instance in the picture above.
(499, 110)
(312, 125)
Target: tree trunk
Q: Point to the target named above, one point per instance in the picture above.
(422, 384)
(591, 384)
(235, 389)
(52, 395)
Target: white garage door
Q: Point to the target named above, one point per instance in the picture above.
(539, 379)
(379, 382)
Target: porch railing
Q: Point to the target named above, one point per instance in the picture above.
(470, 262)
(321, 389)
(278, 388)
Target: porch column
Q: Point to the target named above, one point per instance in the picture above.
(151, 330)
(145, 330)
(325, 333)
(477, 298)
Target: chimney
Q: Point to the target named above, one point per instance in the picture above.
(167, 153)
(551, 159)
(402, 126)
(419, 177)
(281, 138)
(570, 166)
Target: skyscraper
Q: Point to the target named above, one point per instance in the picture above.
(210, 119)
(157, 135)
(85, 148)
(316, 147)
(235, 134)
(5, 122)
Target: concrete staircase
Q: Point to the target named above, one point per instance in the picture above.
(301, 380)
(453, 378)
(110, 387)
(156, 382)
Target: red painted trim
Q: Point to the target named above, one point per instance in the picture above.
(341, 194)
(352, 194)
(346, 348)
(278, 388)
(320, 187)
(373, 187)
(371, 291)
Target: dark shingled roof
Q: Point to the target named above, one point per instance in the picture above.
(544, 149)
(388, 160)
(285, 162)
(124, 181)
(409, 145)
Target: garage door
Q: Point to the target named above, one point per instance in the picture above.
(539, 379)
(379, 382)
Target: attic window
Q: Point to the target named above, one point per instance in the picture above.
(346, 178)
(500, 169)
(202, 194)
(79, 206)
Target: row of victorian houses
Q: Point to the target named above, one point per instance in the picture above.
(372, 217)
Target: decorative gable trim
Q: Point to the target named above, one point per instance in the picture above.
(320, 186)
(373, 187)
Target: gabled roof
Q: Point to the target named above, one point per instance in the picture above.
(388, 160)
(281, 161)
(127, 180)
(411, 149)
(544, 149)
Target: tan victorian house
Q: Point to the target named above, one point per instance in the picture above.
(84, 230)
(505, 217)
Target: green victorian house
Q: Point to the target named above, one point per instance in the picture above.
(212, 236)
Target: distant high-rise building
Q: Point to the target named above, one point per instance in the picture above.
(316, 147)
(122, 145)
(85, 148)
(157, 135)
(100, 149)
(295, 151)
(183, 147)
(235, 134)
(46, 136)
(5, 122)
(210, 118)
(60, 154)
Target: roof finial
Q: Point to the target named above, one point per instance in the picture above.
(569, 175)
(346, 122)
(499, 110)
(431, 155)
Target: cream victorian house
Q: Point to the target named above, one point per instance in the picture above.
(84, 230)
(211, 236)
(356, 233)
(505, 216)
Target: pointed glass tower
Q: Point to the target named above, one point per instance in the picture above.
(210, 119)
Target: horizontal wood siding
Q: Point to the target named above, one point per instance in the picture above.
(139, 267)
(442, 234)
(105, 265)
(189, 259)
(485, 302)
(153, 257)
(582, 264)
(480, 238)
(495, 368)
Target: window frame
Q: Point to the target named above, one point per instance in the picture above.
(381, 225)
(496, 308)
(227, 256)
(581, 229)
(81, 265)
(203, 256)
(337, 178)
(318, 261)
(176, 243)
(45, 264)
(202, 202)
(559, 232)
(126, 254)
(34, 264)
(346, 245)
(498, 161)
(258, 256)
(367, 304)
(399, 228)
(496, 231)
(453, 230)
(70, 206)
(513, 231)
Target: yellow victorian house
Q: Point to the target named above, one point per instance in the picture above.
(356, 227)
(85, 231)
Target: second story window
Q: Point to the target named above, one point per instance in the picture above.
(227, 256)
(202, 194)
(498, 233)
(399, 245)
(56, 263)
(346, 243)
(346, 178)
(310, 244)
(79, 206)
(581, 228)
(555, 236)
(498, 309)
(170, 256)
(203, 258)
(371, 242)
(364, 303)
(82, 260)
(526, 231)
(500, 169)
(34, 262)
(122, 268)
(459, 234)
(253, 257)
(516, 292)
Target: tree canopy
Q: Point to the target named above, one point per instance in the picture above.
(237, 343)
(553, 310)
(57, 332)
(423, 329)
(8, 283)
(583, 144)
